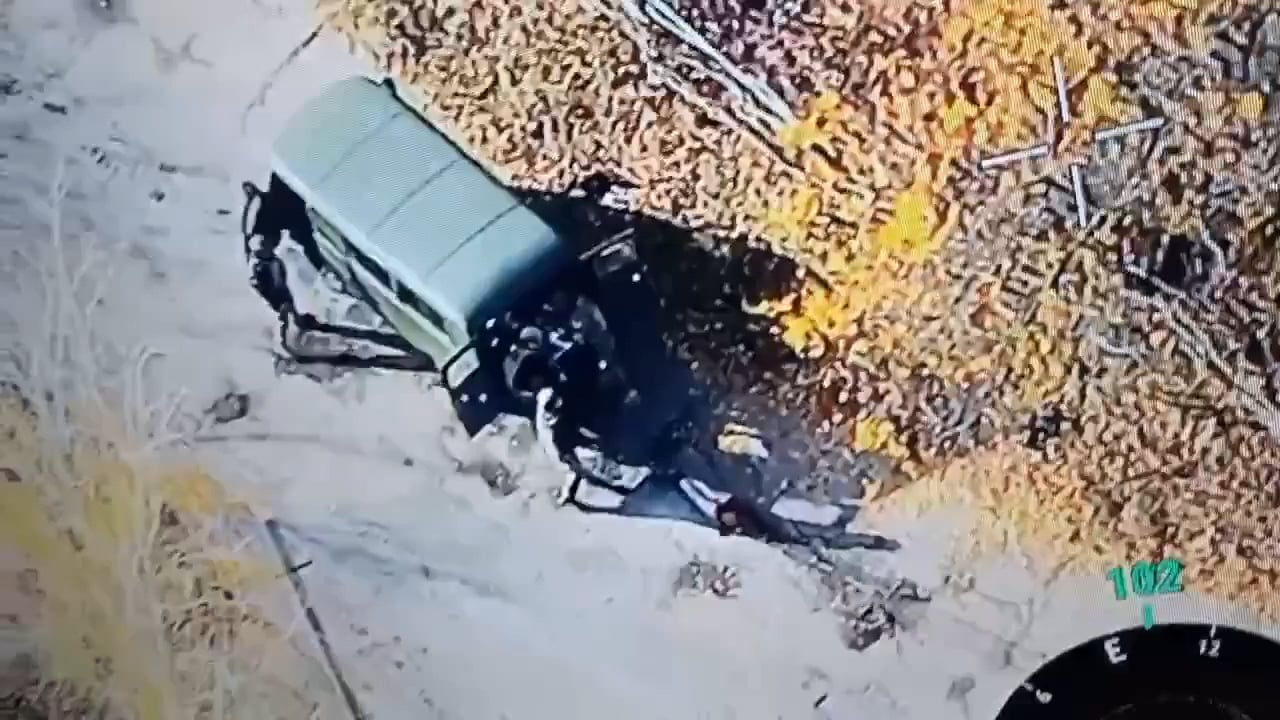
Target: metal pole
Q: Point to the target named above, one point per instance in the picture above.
(1082, 202)
(331, 663)
(1013, 156)
(1129, 128)
(1060, 79)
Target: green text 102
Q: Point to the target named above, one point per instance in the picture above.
(1147, 578)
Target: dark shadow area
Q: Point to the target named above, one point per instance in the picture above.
(742, 372)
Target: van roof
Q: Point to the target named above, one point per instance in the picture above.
(408, 197)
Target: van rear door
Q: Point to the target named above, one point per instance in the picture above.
(478, 392)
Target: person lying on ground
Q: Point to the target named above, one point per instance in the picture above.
(667, 493)
(736, 515)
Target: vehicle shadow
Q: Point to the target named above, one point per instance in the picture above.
(741, 371)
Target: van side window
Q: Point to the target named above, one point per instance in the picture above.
(403, 294)
(410, 298)
(368, 264)
(326, 228)
(330, 231)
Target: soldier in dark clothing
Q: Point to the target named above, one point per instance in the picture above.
(270, 279)
(669, 491)
(738, 516)
(280, 210)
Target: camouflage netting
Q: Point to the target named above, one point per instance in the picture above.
(1119, 379)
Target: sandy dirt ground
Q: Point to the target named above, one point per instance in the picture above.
(442, 598)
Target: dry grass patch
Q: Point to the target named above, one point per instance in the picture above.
(149, 593)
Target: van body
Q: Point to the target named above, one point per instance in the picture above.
(442, 251)
(403, 215)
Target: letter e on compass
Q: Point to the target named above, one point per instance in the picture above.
(1115, 653)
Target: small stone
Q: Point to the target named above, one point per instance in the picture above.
(961, 687)
(500, 479)
(229, 408)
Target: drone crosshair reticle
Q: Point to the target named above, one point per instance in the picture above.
(1208, 672)
(1046, 149)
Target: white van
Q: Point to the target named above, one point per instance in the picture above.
(452, 259)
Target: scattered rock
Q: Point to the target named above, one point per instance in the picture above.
(701, 577)
(870, 612)
(229, 408)
(873, 622)
(742, 440)
(960, 688)
(105, 11)
(500, 479)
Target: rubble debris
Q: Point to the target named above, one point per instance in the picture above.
(499, 478)
(871, 604)
(870, 614)
(742, 440)
(960, 688)
(229, 408)
(701, 577)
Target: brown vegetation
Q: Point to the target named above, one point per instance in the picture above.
(146, 592)
(949, 316)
